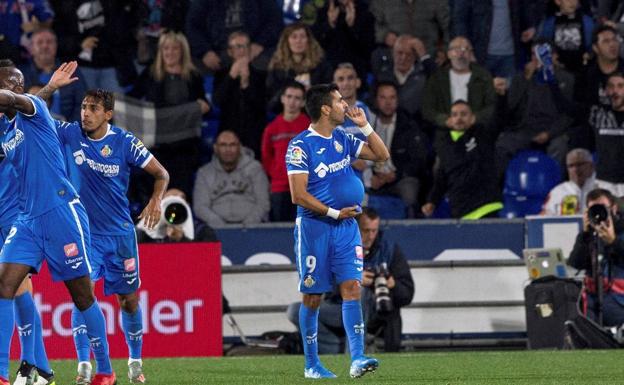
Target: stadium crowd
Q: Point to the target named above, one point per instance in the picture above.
(455, 90)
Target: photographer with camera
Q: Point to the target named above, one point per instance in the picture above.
(176, 223)
(599, 250)
(387, 285)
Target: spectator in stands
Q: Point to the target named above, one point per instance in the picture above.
(275, 141)
(380, 321)
(178, 224)
(497, 29)
(608, 126)
(172, 80)
(155, 18)
(210, 22)
(239, 90)
(568, 198)
(15, 29)
(571, 31)
(465, 172)
(348, 82)
(539, 110)
(462, 80)
(39, 70)
(427, 20)
(101, 35)
(411, 65)
(409, 165)
(232, 188)
(345, 30)
(611, 234)
(298, 57)
(592, 85)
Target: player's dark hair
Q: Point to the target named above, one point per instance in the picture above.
(600, 29)
(6, 63)
(293, 84)
(317, 97)
(107, 98)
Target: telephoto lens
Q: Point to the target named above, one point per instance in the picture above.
(383, 302)
(598, 213)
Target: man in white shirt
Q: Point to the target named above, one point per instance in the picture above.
(568, 198)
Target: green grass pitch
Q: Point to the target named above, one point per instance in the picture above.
(447, 368)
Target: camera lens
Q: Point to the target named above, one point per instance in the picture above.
(175, 214)
(598, 213)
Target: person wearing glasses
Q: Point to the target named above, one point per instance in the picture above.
(462, 79)
(568, 198)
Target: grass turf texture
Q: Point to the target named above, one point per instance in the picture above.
(453, 368)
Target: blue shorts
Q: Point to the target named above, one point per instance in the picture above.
(60, 236)
(327, 253)
(116, 258)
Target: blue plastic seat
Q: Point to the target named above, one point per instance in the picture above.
(531, 174)
(519, 206)
(388, 206)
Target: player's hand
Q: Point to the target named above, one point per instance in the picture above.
(348, 212)
(63, 75)
(367, 278)
(428, 209)
(357, 115)
(151, 213)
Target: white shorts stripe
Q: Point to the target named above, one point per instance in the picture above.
(82, 240)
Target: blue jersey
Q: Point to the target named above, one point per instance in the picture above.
(100, 169)
(327, 161)
(8, 186)
(32, 147)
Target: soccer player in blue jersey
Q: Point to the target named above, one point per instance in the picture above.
(102, 156)
(52, 223)
(328, 194)
(27, 318)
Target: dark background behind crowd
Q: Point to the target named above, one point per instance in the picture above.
(456, 89)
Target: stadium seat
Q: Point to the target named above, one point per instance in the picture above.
(531, 174)
(442, 210)
(388, 206)
(519, 206)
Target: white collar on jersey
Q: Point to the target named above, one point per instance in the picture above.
(108, 132)
(313, 132)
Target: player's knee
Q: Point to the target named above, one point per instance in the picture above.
(312, 301)
(83, 302)
(128, 302)
(7, 290)
(350, 290)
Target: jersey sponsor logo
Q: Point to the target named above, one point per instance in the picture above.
(322, 169)
(71, 249)
(14, 142)
(338, 146)
(106, 151)
(79, 157)
(130, 264)
(108, 170)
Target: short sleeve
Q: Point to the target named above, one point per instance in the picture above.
(136, 153)
(297, 158)
(63, 130)
(354, 144)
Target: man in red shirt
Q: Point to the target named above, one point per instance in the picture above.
(275, 140)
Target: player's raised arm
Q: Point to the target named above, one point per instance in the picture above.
(60, 78)
(301, 197)
(10, 101)
(151, 212)
(374, 149)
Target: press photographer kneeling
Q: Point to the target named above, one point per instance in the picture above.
(599, 250)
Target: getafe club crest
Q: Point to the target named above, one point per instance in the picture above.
(338, 146)
(308, 281)
(106, 151)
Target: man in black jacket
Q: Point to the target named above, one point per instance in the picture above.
(410, 163)
(385, 322)
(466, 171)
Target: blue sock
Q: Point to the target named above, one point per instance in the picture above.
(24, 311)
(96, 330)
(81, 340)
(133, 329)
(41, 357)
(308, 323)
(6, 332)
(354, 326)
